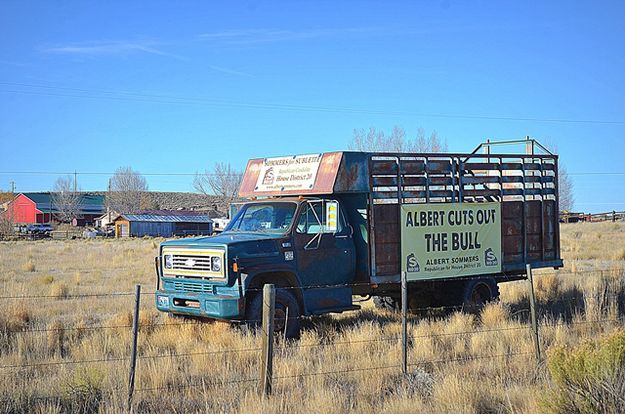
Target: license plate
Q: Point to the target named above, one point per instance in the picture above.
(163, 301)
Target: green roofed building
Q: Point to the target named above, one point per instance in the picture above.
(29, 208)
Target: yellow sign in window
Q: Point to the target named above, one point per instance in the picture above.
(332, 214)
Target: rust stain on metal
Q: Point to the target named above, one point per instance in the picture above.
(349, 177)
(250, 177)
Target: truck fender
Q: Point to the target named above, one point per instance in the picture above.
(254, 283)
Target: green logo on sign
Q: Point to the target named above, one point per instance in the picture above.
(412, 265)
(490, 259)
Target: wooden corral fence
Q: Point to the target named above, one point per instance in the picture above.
(65, 234)
(566, 217)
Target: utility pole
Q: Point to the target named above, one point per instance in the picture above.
(108, 203)
(12, 187)
(75, 178)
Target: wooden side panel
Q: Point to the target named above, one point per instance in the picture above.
(512, 231)
(550, 221)
(387, 236)
(533, 225)
(540, 227)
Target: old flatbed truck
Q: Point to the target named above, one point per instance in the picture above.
(327, 227)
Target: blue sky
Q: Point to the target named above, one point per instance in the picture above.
(171, 88)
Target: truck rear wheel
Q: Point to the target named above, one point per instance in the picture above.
(388, 303)
(478, 292)
(286, 317)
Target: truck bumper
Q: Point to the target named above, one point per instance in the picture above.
(199, 304)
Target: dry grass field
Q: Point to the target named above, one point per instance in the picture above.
(51, 356)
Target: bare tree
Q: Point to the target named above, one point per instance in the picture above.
(223, 182)
(65, 199)
(565, 189)
(6, 196)
(431, 144)
(6, 216)
(6, 225)
(377, 141)
(565, 183)
(127, 190)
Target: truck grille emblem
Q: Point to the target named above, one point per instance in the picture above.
(189, 263)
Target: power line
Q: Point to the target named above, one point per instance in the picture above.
(169, 99)
(100, 173)
(189, 174)
(598, 173)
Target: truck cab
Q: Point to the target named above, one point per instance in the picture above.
(291, 242)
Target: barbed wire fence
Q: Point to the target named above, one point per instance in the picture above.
(265, 353)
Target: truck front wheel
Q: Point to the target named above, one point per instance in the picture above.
(286, 317)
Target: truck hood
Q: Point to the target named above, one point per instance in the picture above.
(222, 239)
(241, 244)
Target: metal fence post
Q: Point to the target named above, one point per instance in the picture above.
(404, 324)
(133, 349)
(266, 368)
(530, 282)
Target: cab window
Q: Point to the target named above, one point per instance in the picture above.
(263, 217)
(312, 220)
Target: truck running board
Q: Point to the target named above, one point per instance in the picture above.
(336, 310)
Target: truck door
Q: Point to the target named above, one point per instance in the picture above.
(325, 254)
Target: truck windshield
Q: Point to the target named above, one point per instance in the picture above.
(264, 218)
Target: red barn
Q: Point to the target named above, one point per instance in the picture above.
(29, 208)
(23, 209)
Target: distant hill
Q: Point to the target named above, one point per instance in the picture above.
(188, 201)
(162, 200)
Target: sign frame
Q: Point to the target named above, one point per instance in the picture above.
(450, 240)
(291, 173)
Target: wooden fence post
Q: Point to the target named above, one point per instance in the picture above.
(266, 368)
(404, 324)
(530, 282)
(133, 349)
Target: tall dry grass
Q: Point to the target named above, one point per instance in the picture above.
(460, 363)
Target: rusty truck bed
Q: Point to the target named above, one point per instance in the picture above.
(525, 185)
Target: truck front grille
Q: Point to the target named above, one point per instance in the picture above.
(196, 263)
(189, 262)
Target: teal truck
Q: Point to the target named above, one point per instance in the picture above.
(328, 229)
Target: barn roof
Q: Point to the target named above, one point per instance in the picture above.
(89, 203)
(159, 218)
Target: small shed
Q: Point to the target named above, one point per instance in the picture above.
(106, 219)
(162, 223)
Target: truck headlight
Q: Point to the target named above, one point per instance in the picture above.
(216, 264)
(169, 261)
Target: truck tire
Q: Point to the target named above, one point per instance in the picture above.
(286, 304)
(478, 292)
(388, 303)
